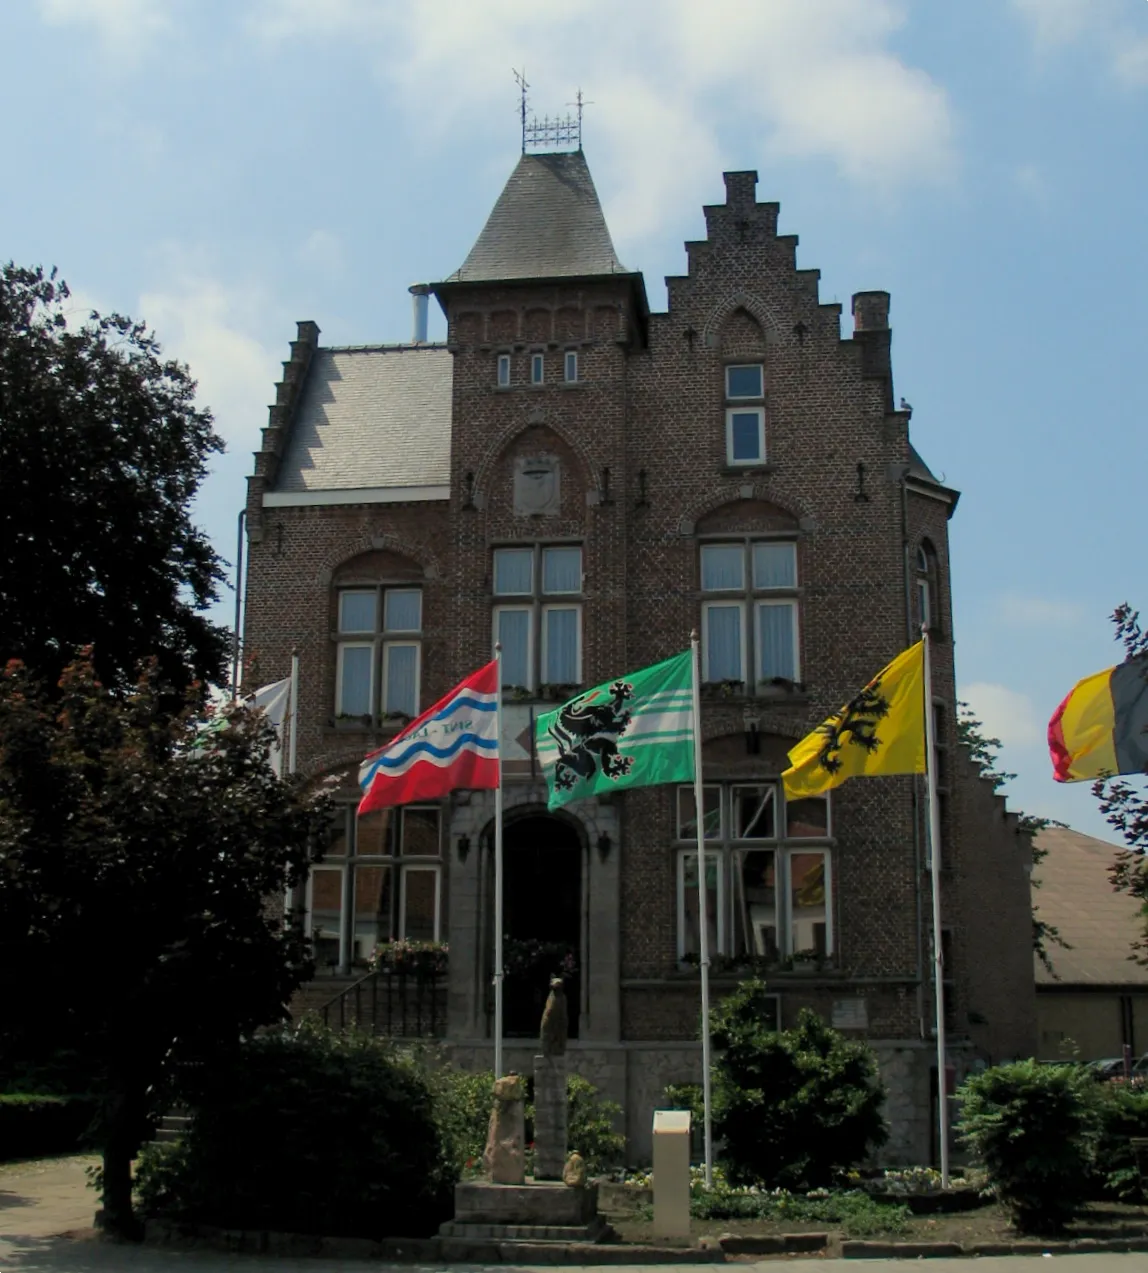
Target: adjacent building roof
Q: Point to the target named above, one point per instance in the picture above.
(547, 223)
(1076, 896)
(371, 418)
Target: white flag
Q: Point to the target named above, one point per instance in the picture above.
(275, 702)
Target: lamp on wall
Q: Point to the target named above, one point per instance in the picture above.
(604, 846)
(463, 846)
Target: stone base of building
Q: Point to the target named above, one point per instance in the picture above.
(537, 1211)
(635, 1076)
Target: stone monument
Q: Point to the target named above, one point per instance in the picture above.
(505, 1156)
(550, 1088)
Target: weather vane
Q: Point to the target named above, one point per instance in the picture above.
(559, 133)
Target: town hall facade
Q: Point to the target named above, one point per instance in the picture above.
(587, 482)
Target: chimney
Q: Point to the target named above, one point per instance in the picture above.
(871, 332)
(420, 294)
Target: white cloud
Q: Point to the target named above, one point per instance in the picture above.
(217, 329)
(1118, 28)
(1005, 714)
(665, 76)
(1039, 612)
(124, 27)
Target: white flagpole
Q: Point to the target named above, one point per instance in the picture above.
(498, 973)
(703, 935)
(938, 950)
(293, 732)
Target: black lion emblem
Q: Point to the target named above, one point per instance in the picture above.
(586, 734)
(855, 723)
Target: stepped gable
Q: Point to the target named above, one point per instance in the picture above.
(547, 223)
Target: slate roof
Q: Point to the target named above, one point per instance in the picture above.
(1076, 896)
(547, 223)
(918, 468)
(371, 417)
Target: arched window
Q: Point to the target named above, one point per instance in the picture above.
(927, 590)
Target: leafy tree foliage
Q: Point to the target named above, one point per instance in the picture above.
(1034, 1128)
(1124, 803)
(137, 857)
(984, 753)
(793, 1106)
(102, 451)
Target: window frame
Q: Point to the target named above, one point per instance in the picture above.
(406, 867)
(341, 649)
(546, 608)
(744, 397)
(537, 604)
(691, 857)
(385, 708)
(570, 360)
(537, 369)
(379, 642)
(751, 598)
(733, 602)
(756, 460)
(502, 371)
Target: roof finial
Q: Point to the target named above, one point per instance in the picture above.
(581, 103)
(520, 78)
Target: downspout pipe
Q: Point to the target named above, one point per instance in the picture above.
(235, 636)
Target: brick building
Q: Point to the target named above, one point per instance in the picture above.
(588, 481)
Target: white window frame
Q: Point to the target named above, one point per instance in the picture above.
(729, 415)
(528, 609)
(570, 364)
(759, 603)
(691, 855)
(354, 645)
(731, 602)
(738, 589)
(537, 369)
(385, 708)
(405, 866)
(546, 608)
(502, 375)
(362, 592)
(815, 840)
(744, 397)
(925, 601)
(790, 852)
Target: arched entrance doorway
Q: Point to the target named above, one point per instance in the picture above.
(542, 919)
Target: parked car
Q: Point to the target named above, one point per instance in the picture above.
(1111, 1067)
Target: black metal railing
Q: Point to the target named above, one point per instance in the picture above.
(392, 1002)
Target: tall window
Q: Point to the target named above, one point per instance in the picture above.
(503, 371)
(380, 879)
(750, 612)
(538, 614)
(928, 603)
(745, 422)
(570, 366)
(768, 873)
(537, 369)
(379, 644)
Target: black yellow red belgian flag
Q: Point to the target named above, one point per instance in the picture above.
(1101, 728)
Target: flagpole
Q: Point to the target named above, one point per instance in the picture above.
(703, 934)
(938, 949)
(293, 732)
(498, 970)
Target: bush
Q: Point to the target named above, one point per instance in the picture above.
(794, 1107)
(35, 1126)
(590, 1126)
(1034, 1127)
(462, 1101)
(1123, 1113)
(308, 1131)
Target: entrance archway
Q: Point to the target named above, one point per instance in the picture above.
(542, 919)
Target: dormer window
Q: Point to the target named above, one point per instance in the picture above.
(537, 369)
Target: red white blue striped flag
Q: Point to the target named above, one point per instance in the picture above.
(452, 746)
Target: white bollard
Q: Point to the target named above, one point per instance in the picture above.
(671, 1173)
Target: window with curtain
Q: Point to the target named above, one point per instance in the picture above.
(768, 873)
(750, 605)
(379, 644)
(538, 614)
(379, 880)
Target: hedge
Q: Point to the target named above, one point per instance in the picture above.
(35, 1126)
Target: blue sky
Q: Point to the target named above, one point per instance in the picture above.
(222, 168)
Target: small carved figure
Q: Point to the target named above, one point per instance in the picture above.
(504, 1158)
(554, 1020)
(574, 1173)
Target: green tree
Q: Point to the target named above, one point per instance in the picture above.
(1125, 804)
(793, 1106)
(102, 451)
(984, 752)
(137, 859)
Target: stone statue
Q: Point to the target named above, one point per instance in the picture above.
(574, 1173)
(504, 1157)
(554, 1020)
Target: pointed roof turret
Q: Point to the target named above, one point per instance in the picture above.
(547, 223)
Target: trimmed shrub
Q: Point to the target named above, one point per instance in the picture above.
(590, 1126)
(1034, 1127)
(35, 1126)
(794, 1107)
(1123, 1113)
(308, 1131)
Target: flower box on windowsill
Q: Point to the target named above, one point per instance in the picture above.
(722, 689)
(351, 722)
(779, 687)
(558, 693)
(807, 961)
